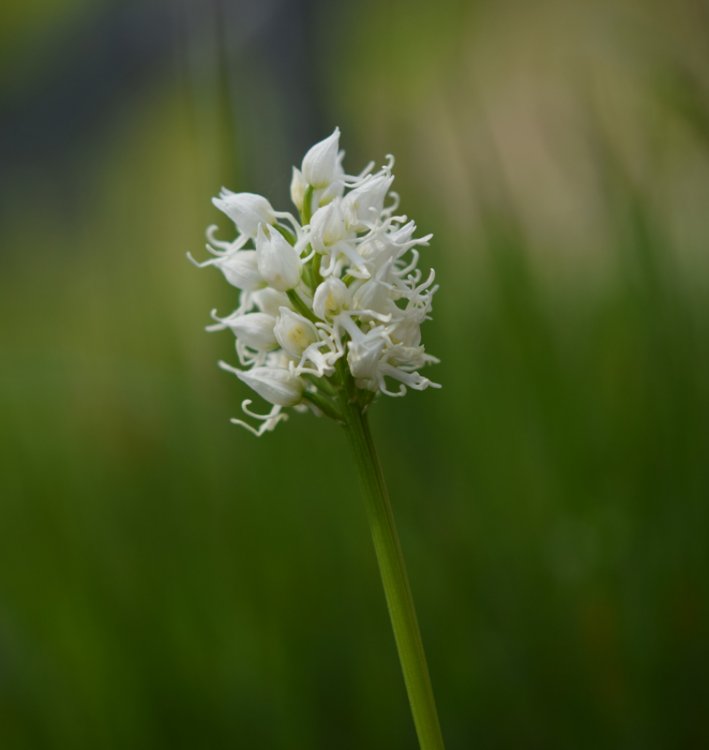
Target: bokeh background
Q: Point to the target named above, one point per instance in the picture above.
(169, 581)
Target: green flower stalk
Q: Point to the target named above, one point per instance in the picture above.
(329, 317)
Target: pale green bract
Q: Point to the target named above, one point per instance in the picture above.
(334, 294)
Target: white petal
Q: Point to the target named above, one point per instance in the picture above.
(277, 386)
(294, 332)
(364, 204)
(241, 269)
(331, 297)
(269, 300)
(254, 330)
(328, 227)
(246, 210)
(278, 262)
(321, 165)
(373, 295)
(407, 332)
(365, 353)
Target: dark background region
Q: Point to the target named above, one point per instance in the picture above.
(167, 580)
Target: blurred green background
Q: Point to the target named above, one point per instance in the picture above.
(169, 581)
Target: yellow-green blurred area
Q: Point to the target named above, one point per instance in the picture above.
(169, 581)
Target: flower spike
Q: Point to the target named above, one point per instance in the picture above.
(331, 306)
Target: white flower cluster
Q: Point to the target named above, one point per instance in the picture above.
(330, 306)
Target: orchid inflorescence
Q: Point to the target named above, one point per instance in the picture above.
(330, 306)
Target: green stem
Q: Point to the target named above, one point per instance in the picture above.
(326, 405)
(316, 268)
(395, 581)
(307, 211)
(300, 306)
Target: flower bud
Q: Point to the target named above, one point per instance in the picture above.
(255, 330)
(276, 385)
(321, 165)
(246, 210)
(278, 262)
(294, 332)
(331, 297)
(241, 270)
(298, 186)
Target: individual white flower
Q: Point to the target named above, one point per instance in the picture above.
(363, 205)
(364, 355)
(294, 332)
(240, 269)
(330, 235)
(254, 330)
(276, 385)
(246, 210)
(331, 297)
(375, 296)
(406, 331)
(328, 228)
(321, 164)
(277, 260)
